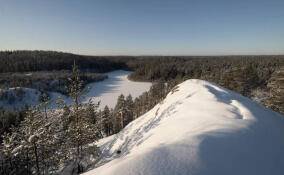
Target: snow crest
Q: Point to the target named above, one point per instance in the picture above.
(200, 128)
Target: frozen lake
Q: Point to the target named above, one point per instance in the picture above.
(105, 91)
(117, 83)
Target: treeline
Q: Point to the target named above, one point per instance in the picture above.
(242, 74)
(25, 61)
(167, 68)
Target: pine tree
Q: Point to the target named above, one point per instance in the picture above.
(81, 130)
(120, 111)
(137, 108)
(130, 109)
(32, 145)
(276, 87)
(157, 93)
(45, 140)
(44, 102)
(106, 121)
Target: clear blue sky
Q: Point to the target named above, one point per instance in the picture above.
(144, 27)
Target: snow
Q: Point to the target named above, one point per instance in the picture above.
(16, 150)
(33, 138)
(105, 91)
(29, 96)
(117, 83)
(199, 129)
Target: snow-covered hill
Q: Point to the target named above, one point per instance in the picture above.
(199, 129)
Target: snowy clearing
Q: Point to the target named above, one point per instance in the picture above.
(199, 129)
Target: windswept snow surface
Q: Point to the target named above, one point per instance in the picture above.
(200, 129)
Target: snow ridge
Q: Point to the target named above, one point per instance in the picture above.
(200, 128)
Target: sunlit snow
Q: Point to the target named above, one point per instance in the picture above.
(199, 129)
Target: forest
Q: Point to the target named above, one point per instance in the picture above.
(31, 135)
(259, 77)
(41, 141)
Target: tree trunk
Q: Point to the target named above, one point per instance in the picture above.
(36, 156)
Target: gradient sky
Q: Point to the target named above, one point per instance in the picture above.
(144, 27)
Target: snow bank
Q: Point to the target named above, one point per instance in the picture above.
(200, 128)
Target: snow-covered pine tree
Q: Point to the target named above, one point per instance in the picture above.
(31, 145)
(46, 140)
(81, 130)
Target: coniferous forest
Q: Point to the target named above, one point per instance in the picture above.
(248, 75)
(37, 141)
(152, 87)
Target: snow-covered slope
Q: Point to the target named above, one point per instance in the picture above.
(199, 129)
(17, 98)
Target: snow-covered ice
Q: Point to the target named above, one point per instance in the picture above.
(105, 91)
(200, 129)
(117, 83)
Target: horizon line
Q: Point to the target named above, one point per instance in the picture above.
(141, 55)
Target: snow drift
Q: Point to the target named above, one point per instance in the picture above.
(200, 128)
